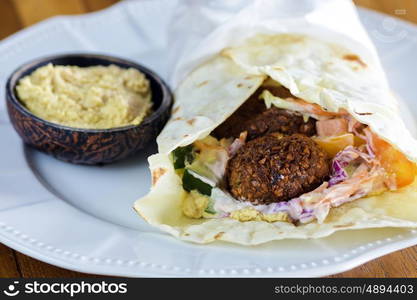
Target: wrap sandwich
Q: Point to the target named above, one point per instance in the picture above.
(282, 136)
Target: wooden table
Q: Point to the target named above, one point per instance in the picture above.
(17, 14)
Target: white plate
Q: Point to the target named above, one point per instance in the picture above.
(80, 217)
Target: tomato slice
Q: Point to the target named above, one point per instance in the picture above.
(333, 144)
(394, 161)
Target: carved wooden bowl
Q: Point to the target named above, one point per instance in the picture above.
(87, 146)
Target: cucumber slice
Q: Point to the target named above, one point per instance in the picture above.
(181, 155)
(201, 171)
(190, 182)
(210, 208)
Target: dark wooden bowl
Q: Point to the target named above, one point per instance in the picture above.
(87, 146)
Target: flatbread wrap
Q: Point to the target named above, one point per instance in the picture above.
(282, 136)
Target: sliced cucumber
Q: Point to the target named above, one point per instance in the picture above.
(201, 171)
(210, 208)
(192, 181)
(181, 155)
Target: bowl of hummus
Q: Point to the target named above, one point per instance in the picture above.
(87, 108)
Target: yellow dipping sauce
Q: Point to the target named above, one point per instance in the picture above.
(96, 97)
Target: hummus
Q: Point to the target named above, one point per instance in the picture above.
(96, 97)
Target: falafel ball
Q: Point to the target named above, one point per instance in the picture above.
(273, 168)
(279, 120)
(255, 118)
(237, 122)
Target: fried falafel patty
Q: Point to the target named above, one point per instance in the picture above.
(279, 120)
(273, 168)
(254, 117)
